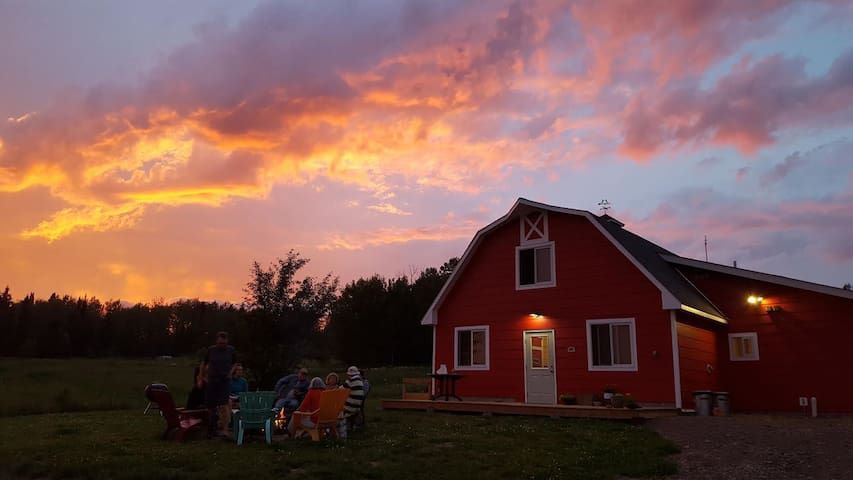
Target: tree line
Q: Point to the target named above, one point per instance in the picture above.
(285, 319)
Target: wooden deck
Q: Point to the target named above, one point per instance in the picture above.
(513, 408)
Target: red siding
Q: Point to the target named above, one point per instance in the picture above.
(803, 348)
(697, 350)
(594, 281)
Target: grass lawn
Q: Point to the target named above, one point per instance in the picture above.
(124, 444)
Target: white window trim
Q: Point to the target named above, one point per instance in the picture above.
(612, 368)
(544, 232)
(754, 356)
(456, 331)
(552, 283)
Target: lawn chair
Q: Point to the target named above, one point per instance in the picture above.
(179, 421)
(331, 405)
(256, 411)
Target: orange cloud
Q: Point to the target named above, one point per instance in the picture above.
(96, 218)
(388, 236)
(460, 97)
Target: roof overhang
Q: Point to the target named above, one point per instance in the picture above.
(759, 276)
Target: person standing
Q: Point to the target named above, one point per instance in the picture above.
(355, 401)
(219, 361)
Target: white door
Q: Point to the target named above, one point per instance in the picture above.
(539, 377)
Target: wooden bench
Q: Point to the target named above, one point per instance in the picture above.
(417, 394)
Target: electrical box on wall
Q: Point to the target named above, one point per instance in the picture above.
(804, 402)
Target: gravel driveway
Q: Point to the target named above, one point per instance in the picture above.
(758, 447)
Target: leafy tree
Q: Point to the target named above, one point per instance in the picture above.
(848, 286)
(377, 321)
(7, 323)
(284, 316)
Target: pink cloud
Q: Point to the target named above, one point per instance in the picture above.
(749, 229)
(744, 109)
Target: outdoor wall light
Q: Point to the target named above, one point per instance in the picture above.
(537, 316)
(754, 299)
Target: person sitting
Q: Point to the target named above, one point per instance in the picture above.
(332, 381)
(290, 390)
(195, 400)
(238, 384)
(303, 416)
(352, 407)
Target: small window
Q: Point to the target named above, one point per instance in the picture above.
(743, 346)
(472, 348)
(535, 266)
(612, 344)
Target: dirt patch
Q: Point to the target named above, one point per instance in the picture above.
(757, 447)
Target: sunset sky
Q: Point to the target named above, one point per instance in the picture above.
(154, 150)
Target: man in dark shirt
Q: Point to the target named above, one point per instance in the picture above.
(219, 360)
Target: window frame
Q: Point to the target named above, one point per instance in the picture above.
(474, 328)
(752, 358)
(631, 322)
(551, 283)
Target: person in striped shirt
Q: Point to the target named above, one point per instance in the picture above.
(356, 394)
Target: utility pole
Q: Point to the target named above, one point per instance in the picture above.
(706, 248)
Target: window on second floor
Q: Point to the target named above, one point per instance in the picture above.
(535, 266)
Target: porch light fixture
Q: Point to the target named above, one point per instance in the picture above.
(754, 300)
(537, 316)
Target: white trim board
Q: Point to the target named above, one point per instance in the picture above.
(676, 362)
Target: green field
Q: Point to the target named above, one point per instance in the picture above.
(114, 440)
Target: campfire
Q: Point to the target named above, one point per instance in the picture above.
(280, 421)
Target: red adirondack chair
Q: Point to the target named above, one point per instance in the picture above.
(179, 421)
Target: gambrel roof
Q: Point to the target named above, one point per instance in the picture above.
(677, 293)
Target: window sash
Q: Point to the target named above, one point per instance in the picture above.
(471, 348)
(743, 346)
(535, 265)
(611, 345)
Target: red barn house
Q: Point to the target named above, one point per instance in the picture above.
(548, 300)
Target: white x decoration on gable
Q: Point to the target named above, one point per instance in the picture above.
(534, 228)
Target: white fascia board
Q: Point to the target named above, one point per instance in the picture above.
(696, 311)
(431, 316)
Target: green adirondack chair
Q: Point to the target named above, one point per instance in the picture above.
(255, 412)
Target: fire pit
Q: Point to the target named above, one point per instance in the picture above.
(280, 422)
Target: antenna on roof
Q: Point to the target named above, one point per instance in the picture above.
(706, 248)
(604, 206)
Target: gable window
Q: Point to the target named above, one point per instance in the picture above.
(612, 344)
(743, 346)
(535, 266)
(534, 228)
(471, 350)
